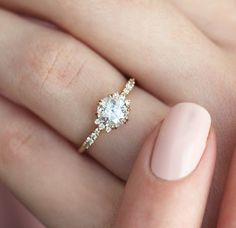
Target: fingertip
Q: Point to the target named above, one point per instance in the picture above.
(172, 172)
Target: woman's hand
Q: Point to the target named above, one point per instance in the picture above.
(171, 178)
(175, 56)
(170, 181)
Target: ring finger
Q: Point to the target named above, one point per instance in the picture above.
(61, 80)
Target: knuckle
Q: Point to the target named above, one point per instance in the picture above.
(15, 146)
(56, 63)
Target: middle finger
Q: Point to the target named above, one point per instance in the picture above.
(61, 80)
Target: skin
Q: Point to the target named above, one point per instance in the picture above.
(153, 202)
(168, 47)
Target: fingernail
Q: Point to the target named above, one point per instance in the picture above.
(181, 141)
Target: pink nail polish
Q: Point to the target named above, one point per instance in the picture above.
(181, 141)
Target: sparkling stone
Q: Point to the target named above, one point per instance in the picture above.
(113, 111)
(101, 126)
(108, 129)
(93, 136)
(127, 102)
(97, 131)
(97, 121)
(89, 141)
(126, 90)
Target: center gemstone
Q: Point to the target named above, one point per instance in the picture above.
(112, 111)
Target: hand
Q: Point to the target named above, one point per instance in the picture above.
(51, 73)
(170, 181)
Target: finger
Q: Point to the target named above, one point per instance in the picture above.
(62, 80)
(228, 208)
(46, 174)
(13, 214)
(167, 54)
(215, 19)
(170, 181)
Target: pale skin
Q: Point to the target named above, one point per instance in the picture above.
(176, 50)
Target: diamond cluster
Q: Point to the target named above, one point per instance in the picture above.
(112, 112)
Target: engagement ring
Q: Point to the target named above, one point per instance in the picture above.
(112, 112)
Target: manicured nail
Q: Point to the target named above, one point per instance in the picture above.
(181, 141)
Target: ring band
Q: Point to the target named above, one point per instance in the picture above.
(112, 112)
